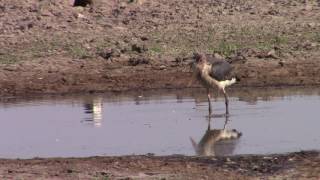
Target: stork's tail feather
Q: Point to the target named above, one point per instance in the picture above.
(232, 81)
(227, 83)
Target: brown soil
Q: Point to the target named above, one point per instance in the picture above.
(302, 165)
(53, 47)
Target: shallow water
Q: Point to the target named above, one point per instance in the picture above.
(158, 122)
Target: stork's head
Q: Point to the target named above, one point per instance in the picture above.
(199, 58)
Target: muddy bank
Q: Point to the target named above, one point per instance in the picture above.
(53, 47)
(74, 76)
(293, 166)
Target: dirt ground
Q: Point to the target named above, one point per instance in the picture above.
(302, 165)
(51, 47)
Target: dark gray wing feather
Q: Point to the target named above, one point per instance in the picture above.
(220, 69)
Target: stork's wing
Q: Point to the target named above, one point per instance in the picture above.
(220, 69)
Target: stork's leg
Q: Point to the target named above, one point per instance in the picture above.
(226, 122)
(209, 103)
(209, 122)
(226, 101)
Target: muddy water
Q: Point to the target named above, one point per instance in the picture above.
(161, 123)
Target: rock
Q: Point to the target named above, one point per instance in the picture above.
(218, 56)
(10, 171)
(143, 38)
(10, 68)
(140, 2)
(238, 57)
(137, 61)
(279, 72)
(115, 12)
(80, 16)
(307, 7)
(309, 45)
(312, 24)
(109, 53)
(138, 48)
(281, 63)
(123, 5)
(46, 13)
(162, 67)
(82, 3)
(272, 54)
(79, 8)
(273, 12)
(269, 54)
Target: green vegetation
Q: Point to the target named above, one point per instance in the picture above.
(77, 51)
(8, 58)
(176, 41)
(43, 48)
(155, 49)
(316, 36)
(229, 39)
(225, 48)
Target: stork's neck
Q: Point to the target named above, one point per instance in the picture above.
(205, 75)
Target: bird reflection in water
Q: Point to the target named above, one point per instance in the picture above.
(217, 142)
(94, 108)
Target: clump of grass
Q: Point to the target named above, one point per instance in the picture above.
(9, 58)
(226, 48)
(316, 37)
(279, 40)
(43, 48)
(229, 39)
(77, 51)
(155, 49)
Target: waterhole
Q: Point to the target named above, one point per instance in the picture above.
(162, 122)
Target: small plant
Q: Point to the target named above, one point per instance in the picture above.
(77, 51)
(317, 37)
(226, 48)
(279, 40)
(43, 48)
(156, 49)
(8, 58)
